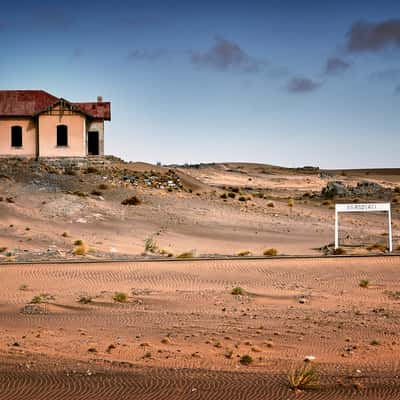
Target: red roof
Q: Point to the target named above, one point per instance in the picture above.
(27, 103)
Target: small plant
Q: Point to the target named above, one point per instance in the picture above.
(223, 196)
(290, 203)
(364, 283)
(271, 252)
(186, 254)
(64, 234)
(78, 242)
(237, 291)
(37, 299)
(339, 251)
(120, 297)
(96, 192)
(377, 247)
(131, 201)
(3, 249)
(271, 204)
(150, 245)
(103, 186)
(303, 377)
(80, 250)
(246, 359)
(232, 195)
(245, 253)
(24, 286)
(85, 299)
(242, 198)
(375, 342)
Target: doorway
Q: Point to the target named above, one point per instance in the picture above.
(93, 143)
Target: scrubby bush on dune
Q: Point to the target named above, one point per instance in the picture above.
(364, 283)
(131, 201)
(237, 291)
(246, 359)
(244, 253)
(290, 202)
(377, 247)
(339, 251)
(303, 377)
(186, 254)
(150, 245)
(271, 252)
(120, 297)
(103, 186)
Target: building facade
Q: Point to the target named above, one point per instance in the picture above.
(34, 124)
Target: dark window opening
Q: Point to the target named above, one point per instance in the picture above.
(62, 135)
(16, 136)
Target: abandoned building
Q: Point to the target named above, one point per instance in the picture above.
(34, 123)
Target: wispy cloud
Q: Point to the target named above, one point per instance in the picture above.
(148, 55)
(369, 36)
(391, 75)
(226, 55)
(336, 65)
(300, 85)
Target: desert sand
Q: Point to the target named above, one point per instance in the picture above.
(181, 332)
(104, 295)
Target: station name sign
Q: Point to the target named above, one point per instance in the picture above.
(362, 207)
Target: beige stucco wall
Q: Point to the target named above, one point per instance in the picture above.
(28, 148)
(76, 124)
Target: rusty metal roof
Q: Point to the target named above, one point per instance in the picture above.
(27, 103)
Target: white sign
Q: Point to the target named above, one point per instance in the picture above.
(362, 207)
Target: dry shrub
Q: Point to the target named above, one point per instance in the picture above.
(377, 247)
(186, 254)
(271, 252)
(103, 186)
(237, 291)
(246, 359)
(303, 377)
(131, 201)
(120, 297)
(245, 253)
(290, 203)
(96, 193)
(80, 249)
(339, 251)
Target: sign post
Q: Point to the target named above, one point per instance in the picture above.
(362, 207)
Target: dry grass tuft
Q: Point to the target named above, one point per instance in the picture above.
(120, 297)
(271, 252)
(186, 254)
(245, 253)
(364, 283)
(131, 201)
(237, 291)
(303, 377)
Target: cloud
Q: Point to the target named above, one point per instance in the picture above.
(302, 85)
(386, 75)
(225, 55)
(147, 55)
(368, 36)
(335, 66)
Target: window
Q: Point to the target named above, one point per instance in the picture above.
(16, 136)
(62, 135)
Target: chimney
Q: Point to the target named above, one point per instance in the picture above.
(99, 99)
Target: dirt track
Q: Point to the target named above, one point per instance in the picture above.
(182, 329)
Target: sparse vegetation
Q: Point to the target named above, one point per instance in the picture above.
(24, 286)
(364, 283)
(85, 299)
(271, 204)
(375, 342)
(237, 291)
(80, 250)
(64, 234)
(393, 295)
(232, 195)
(377, 247)
(186, 254)
(103, 186)
(339, 251)
(290, 202)
(78, 242)
(245, 253)
(131, 201)
(41, 298)
(242, 198)
(96, 192)
(246, 359)
(271, 252)
(303, 377)
(150, 245)
(120, 297)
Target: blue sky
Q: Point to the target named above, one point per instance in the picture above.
(280, 82)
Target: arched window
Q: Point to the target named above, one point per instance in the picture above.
(62, 135)
(16, 136)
